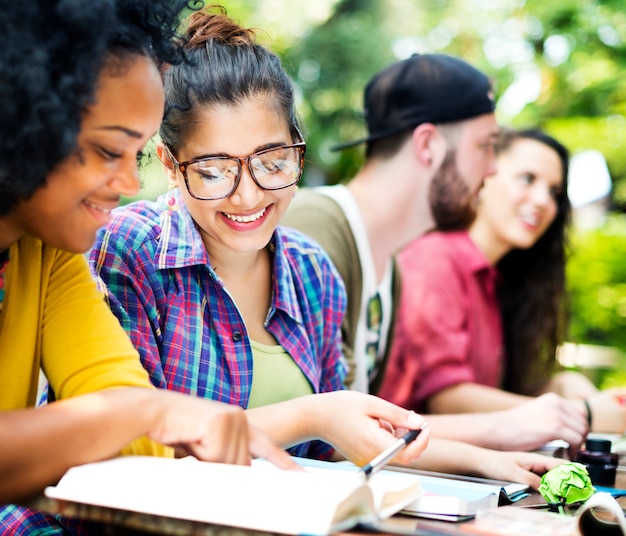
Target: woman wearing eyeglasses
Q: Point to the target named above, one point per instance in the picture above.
(221, 301)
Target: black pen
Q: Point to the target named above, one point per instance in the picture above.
(386, 455)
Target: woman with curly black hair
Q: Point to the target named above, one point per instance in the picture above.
(80, 95)
(492, 304)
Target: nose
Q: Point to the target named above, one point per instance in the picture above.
(248, 192)
(491, 167)
(126, 180)
(540, 194)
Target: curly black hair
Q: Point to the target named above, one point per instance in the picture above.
(51, 55)
(533, 298)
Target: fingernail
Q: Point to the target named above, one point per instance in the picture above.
(414, 418)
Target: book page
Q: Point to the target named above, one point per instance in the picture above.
(506, 491)
(391, 491)
(601, 514)
(449, 502)
(442, 495)
(260, 497)
(286, 502)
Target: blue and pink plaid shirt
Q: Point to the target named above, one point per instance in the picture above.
(189, 332)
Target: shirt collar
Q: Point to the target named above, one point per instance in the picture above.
(180, 243)
(284, 294)
(476, 261)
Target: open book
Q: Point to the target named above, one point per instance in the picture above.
(260, 497)
(457, 498)
(444, 496)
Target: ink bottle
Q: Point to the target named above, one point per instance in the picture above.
(599, 460)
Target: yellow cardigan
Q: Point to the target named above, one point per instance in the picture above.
(54, 317)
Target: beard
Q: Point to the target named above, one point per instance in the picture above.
(451, 202)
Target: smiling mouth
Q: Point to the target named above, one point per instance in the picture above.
(97, 207)
(529, 219)
(246, 219)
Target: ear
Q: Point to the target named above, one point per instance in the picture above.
(166, 159)
(427, 144)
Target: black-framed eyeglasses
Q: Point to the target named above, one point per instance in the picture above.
(217, 177)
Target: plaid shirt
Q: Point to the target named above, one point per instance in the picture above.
(188, 330)
(22, 521)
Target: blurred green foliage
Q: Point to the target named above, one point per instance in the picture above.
(554, 64)
(607, 134)
(596, 274)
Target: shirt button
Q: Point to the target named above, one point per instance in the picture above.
(237, 336)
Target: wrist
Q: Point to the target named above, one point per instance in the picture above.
(589, 413)
(311, 417)
(149, 408)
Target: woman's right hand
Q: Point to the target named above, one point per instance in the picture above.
(524, 467)
(357, 425)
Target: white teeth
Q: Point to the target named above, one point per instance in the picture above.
(102, 209)
(531, 219)
(246, 219)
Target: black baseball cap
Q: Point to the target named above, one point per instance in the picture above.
(425, 88)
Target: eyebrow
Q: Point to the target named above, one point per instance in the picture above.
(127, 131)
(256, 150)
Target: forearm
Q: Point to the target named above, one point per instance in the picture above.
(524, 427)
(570, 384)
(38, 445)
(447, 456)
(473, 398)
(460, 458)
(474, 428)
(287, 423)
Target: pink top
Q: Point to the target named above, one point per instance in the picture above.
(448, 329)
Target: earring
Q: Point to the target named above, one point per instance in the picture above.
(172, 185)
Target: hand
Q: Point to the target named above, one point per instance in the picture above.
(361, 426)
(525, 467)
(211, 431)
(456, 457)
(608, 410)
(532, 424)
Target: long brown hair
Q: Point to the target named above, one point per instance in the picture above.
(533, 299)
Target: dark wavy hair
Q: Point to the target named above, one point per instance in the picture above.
(532, 293)
(51, 55)
(224, 65)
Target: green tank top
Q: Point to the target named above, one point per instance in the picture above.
(275, 376)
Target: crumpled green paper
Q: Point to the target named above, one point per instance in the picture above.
(566, 484)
